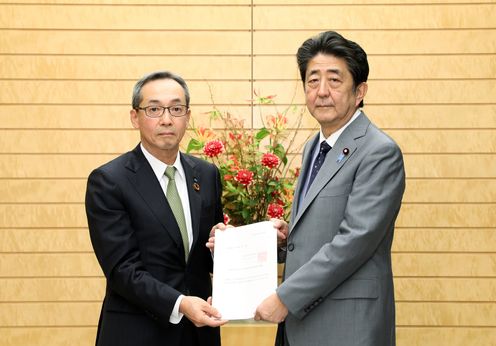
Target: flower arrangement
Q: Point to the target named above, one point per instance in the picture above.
(255, 164)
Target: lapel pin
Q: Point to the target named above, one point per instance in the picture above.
(341, 156)
(196, 186)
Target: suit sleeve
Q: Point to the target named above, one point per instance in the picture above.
(117, 251)
(370, 213)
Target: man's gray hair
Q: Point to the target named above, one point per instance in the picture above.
(137, 98)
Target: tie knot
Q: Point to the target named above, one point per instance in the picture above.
(324, 147)
(170, 171)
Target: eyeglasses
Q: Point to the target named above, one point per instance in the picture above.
(157, 111)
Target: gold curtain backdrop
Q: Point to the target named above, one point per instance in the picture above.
(67, 68)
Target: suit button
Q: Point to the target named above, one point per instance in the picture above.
(290, 247)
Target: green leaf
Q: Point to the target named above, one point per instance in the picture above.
(215, 114)
(262, 133)
(245, 213)
(280, 152)
(194, 144)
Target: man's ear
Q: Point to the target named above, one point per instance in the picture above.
(361, 91)
(133, 115)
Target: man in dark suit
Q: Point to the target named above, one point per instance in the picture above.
(337, 287)
(149, 213)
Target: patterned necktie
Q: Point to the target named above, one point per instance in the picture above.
(319, 160)
(177, 207)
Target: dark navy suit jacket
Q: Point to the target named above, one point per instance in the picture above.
(138, 245)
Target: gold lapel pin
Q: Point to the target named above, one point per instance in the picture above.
(196, 186)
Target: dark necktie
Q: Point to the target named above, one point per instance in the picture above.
(319, 160)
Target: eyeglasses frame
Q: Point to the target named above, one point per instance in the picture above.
(163, 111)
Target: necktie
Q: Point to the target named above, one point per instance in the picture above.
(319, 160)
(176, 206)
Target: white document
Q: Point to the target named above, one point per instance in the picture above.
(245, 269)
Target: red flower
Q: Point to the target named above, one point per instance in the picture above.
(228, 177)
(226, 219)
(270, 160)
(244, 177)
(275, 210)
(235, 137)
(213, 148)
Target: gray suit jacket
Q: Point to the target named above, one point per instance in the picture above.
(338, 281)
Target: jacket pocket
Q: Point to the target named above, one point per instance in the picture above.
(332, 191)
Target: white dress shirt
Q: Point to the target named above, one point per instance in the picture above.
(158, 168)
(331, 140)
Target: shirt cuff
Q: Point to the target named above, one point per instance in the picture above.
(176, 316)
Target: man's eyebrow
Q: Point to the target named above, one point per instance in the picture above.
(311, 72)
(330, 70)
(334, 70)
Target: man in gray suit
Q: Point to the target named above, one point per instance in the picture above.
(337, 285)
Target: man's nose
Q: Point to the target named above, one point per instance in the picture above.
(323, 90)
(166, 118)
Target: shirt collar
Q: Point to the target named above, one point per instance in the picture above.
(159, 167)
(333, 138)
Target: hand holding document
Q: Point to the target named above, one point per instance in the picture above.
(245, 269)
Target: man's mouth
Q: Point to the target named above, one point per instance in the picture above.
(166, 133)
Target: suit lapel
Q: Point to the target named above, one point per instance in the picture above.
(142, 177)
(335, 160)
(305, 170)
(192, 178)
